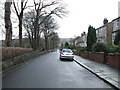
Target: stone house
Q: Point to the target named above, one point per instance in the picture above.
(116, 27)
(104, 33)
(81, 41)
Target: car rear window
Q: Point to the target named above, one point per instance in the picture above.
(68, 51)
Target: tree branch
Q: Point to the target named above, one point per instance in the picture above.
(15, 8)
(45, 18)
(44, 6)
(25, 5)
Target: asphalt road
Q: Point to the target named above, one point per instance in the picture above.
(48, 71)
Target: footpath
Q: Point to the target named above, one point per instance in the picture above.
(103, 71)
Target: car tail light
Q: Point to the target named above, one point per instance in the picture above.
(73, 54)
(62, 53)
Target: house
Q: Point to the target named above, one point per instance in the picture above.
(109, 33)
(77, 40)
(116, 27)
(101, 34)
(81, 41)
(104, 33)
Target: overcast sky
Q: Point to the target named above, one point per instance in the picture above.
(83, 13)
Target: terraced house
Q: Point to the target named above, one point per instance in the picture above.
(81, 41)
(116, 28)
(106, 33)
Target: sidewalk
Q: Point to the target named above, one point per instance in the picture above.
(103, 71)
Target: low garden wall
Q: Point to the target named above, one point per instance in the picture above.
(93, 56)
(112, 60)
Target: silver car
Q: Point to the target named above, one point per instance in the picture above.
(67, 54)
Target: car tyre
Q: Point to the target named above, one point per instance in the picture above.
(72, 59)
(60, 58)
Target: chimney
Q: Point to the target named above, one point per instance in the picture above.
(84, 33)
(105, 21)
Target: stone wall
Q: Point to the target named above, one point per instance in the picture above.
(20, 59)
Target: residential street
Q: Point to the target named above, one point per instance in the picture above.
(48, 71)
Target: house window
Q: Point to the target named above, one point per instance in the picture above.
(118, 23)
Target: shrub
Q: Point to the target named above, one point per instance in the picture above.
(99, 47)
(77, 48)
(11, 52)
(83, 49)
(114, 49)
(117, 38)
(118, 49)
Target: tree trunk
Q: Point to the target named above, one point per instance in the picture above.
(37, 39)
(8, 24)
(46, 43)
(34, 40)
(20, 31)
(35, 35)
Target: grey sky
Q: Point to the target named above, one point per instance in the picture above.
(83, 13)
(86, 12)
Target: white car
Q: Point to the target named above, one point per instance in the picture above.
(67, 54)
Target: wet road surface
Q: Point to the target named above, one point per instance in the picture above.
(48, 71)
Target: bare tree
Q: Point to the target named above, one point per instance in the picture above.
(28, 21)
(8, 24)
(45, 8)
(39, 20)
(54, 40)
(48, 28)
(19, 12)
(40, 11)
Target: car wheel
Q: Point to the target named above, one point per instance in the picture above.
(60, 58)
(72, 59)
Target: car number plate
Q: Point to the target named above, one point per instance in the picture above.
(67, 54)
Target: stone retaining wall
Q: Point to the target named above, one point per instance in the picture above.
(19, 59)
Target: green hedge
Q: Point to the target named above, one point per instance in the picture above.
(100, 47)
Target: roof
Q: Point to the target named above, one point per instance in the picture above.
(116, 19)
(109, 23)
(104, 25)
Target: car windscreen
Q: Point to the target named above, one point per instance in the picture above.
(68, 51)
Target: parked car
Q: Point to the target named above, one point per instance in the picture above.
(67, 54)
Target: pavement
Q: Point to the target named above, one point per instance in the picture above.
(103, 71)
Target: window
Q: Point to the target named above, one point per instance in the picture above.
(68, 51)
